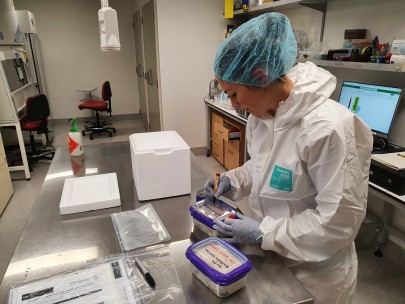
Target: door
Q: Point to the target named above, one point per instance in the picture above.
(37, 61)
(150, 54)
(140, 69)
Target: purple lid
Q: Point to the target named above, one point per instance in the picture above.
(218, 260)
(205, 211)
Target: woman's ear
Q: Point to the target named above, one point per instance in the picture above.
(260, 76)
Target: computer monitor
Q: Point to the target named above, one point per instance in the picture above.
(375, 104)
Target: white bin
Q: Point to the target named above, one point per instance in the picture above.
(160, 164)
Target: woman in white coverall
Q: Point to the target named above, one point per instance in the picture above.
(307, 178)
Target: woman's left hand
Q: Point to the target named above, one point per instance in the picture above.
(243, 229)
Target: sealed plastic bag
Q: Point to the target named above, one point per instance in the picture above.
(139, 228)
(160, 265)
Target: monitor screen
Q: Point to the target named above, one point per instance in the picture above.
(375, 104)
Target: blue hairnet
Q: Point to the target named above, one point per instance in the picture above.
(257, 52)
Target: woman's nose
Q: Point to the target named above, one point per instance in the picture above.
(234, 103)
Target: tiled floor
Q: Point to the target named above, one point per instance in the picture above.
(380, 280)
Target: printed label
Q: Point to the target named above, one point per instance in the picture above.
(281, 179)
(214, 211)
(218, 258)
(72, 144)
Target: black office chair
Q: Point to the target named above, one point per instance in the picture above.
(36, 119)
(103, 105)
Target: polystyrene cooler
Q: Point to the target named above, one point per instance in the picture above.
(160, 164)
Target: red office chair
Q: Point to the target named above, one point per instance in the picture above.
(36, 119)
(103, 105)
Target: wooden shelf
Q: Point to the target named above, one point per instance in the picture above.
(357, 65)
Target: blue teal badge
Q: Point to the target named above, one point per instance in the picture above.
(281, 179)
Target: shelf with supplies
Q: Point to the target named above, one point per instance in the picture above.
(357, 65)
(319, 5)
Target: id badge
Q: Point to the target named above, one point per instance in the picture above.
(281, 179)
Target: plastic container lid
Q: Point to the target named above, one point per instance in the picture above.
(206, 211)
(219, 261)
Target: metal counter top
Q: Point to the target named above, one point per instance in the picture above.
(51, 243)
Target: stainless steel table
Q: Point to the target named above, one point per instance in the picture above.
(51, 243)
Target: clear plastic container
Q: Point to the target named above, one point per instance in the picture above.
(219, 265)
(205, 212)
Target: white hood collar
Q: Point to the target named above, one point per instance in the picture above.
(313, 86)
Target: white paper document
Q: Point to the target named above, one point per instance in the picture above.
(106, 283)
(394, 160)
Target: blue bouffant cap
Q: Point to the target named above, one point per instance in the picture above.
(257, 52)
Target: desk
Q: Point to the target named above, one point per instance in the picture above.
(391, 201)
(24, 166)
(51, 243)
(87, 90)
(9, 101)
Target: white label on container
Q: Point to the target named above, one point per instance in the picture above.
(213, 211)
(218, 257)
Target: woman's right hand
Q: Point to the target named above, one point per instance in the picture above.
(223, 187)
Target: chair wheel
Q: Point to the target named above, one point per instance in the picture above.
(83, 133)
(110, 134)
(91, 137)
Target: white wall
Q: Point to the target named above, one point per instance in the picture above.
(189, 34)
(70, 46)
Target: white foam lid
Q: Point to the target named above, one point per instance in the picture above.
(155, 141)
(87, 193)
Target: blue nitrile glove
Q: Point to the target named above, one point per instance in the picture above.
(243, 229)
(224, 187)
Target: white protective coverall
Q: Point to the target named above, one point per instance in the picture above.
(308, 183)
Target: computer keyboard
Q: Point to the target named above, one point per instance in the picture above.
(389, 149)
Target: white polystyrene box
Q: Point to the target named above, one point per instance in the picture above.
(160, 164)
(88, 193)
